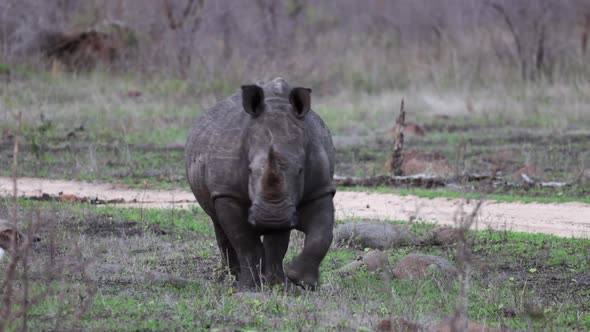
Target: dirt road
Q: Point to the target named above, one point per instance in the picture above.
(565, 219)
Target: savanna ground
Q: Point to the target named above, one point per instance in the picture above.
(138, 269)
(150, 269)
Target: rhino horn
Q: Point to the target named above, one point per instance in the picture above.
(272, 181)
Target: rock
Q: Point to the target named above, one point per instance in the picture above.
(375, 260)
(528, 172)
(455, 325)
(439, 236)
(417, 266)
(7, 233)
(397, 324)
(434, 163)
(350, 267)
(374, 235)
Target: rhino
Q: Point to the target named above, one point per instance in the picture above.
(260, 163)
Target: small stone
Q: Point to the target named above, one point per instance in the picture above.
(375, 260)
(418, 266)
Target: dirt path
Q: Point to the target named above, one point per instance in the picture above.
(565, 219)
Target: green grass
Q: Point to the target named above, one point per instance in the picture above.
(193, 220)
(512, 273)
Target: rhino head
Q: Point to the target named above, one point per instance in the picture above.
(276, 155)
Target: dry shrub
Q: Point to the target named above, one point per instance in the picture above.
(22, 288)
(381, 45)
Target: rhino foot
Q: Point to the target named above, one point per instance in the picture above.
(303, 276)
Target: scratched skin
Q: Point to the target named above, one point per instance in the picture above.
(265, 173)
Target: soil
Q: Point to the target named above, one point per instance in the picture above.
(564, 219)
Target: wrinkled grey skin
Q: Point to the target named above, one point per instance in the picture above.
(261, 162)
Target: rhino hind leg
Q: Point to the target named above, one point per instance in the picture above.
(317, 222)
(232, 218)
(229, 258)
(275, 248)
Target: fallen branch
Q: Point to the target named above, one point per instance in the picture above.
(420, 180)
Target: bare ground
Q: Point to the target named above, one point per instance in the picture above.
(564, 219)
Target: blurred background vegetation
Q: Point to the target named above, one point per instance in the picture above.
(368, 46)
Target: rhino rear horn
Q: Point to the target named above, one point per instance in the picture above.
(253, 99)
(300, 99)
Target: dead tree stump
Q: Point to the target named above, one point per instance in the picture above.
(398, 144)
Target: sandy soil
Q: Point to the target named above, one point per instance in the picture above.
(565, 219)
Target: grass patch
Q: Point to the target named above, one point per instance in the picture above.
(520, 280)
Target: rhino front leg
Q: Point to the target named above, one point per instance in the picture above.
(232, 217)
(317, 222)
(228, 254)
(275, 248)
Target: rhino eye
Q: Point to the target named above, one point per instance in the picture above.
(250, 170)
(300, 171)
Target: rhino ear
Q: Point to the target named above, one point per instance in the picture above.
(253, 99)
(300, 98)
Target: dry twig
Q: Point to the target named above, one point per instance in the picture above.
(398, 144)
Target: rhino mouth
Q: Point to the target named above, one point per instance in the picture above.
(259, 216)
